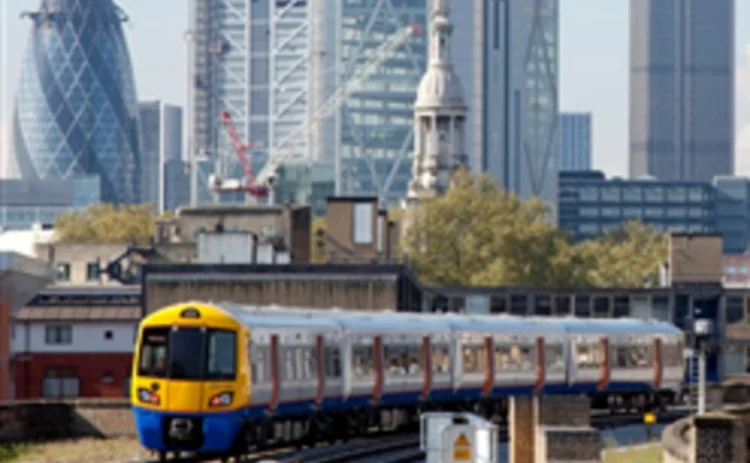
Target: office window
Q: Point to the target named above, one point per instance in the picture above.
(58, 334)
(362, 216)
(62, 271)
(92, 271)
(743, 269)
(730, 270)
(735, 309)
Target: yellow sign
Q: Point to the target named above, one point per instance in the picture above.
(462, 449)
(649, 418)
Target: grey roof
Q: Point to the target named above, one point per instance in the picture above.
(76, 313)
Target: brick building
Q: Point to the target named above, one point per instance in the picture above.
(75, 342)
(20, 278)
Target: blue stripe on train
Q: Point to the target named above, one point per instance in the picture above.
(220, 428)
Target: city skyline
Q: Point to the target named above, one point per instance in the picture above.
(593, 77)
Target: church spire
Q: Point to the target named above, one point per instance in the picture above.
(439, 114)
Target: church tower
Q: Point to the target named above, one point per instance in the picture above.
(439, 115)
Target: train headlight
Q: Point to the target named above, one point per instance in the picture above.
(221, 400)
(149, 397)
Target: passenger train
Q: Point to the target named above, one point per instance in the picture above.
(221, 378)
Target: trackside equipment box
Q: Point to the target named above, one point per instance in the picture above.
(458, 438)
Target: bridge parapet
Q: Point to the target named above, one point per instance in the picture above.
(716, 437)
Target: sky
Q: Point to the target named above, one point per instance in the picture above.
(593, 66)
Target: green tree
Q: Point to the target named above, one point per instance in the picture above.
(477, 234)
(317, 240)
(627, 256)
(105, 223)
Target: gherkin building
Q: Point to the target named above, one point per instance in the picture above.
(76, 111)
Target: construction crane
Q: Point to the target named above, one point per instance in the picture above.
(248, 184)
(284, 151)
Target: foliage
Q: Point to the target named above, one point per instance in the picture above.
(9, 452)
(477, 234)
(105, 223)
(317, 240)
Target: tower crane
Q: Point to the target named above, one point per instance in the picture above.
(248, 184)
(284, 150)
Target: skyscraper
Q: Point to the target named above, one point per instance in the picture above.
(164, 182)
(681, 89)
(76, 109)
(507, 59)
(575, 141)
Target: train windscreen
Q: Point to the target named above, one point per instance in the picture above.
(188, 353)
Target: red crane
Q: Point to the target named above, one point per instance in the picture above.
(240, 149)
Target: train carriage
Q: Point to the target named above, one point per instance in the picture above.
(223, 378)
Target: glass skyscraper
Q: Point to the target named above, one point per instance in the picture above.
(575, 141)
(76, 110)
(682, 89)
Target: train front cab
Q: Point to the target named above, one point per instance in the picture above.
(190, 380)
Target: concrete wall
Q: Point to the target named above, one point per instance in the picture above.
(35, 421)
(364, 295)
(686, 250)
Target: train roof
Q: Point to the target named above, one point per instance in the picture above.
(612, 325)
(277, 315)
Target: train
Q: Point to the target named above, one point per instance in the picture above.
(225, 379)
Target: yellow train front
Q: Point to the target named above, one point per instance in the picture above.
(190, 380)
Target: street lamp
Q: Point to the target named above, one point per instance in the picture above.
(701, 338)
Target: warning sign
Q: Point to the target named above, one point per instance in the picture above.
(462, 449)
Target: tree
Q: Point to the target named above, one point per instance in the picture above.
(317, 240)
(477, 234)
(105, 223)
(627, 256)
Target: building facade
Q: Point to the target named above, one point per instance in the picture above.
(76, 108)
(590, 205)
(575, 141)
(268, 64)
(24, 203)
(161, 133)
(70, 343)
(507, 60)
(682, 89)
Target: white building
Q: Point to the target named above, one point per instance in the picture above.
(439, 114)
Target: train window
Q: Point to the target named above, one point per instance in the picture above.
(333, 362)
(222, 361)
(362, 362)
(288, 356)
(474, 359)
(589, 355)
(403, 360)
(310, 363)
(259, 365)
(153, 355)
(503, 361)
(671, 355)
(441, 359)
(632, 356)
(514, 357)
(554, 359)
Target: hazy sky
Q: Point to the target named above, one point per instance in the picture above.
(593, 64)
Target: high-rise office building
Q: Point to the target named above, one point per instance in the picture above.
(269, 65)
(506, 56)
(575, 141)
(76, 109)
(161, 131)
(681, 89)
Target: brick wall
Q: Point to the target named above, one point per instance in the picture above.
(23, 421)
(5, 335)
(89, 368)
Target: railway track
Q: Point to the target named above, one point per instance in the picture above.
(403, 446)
